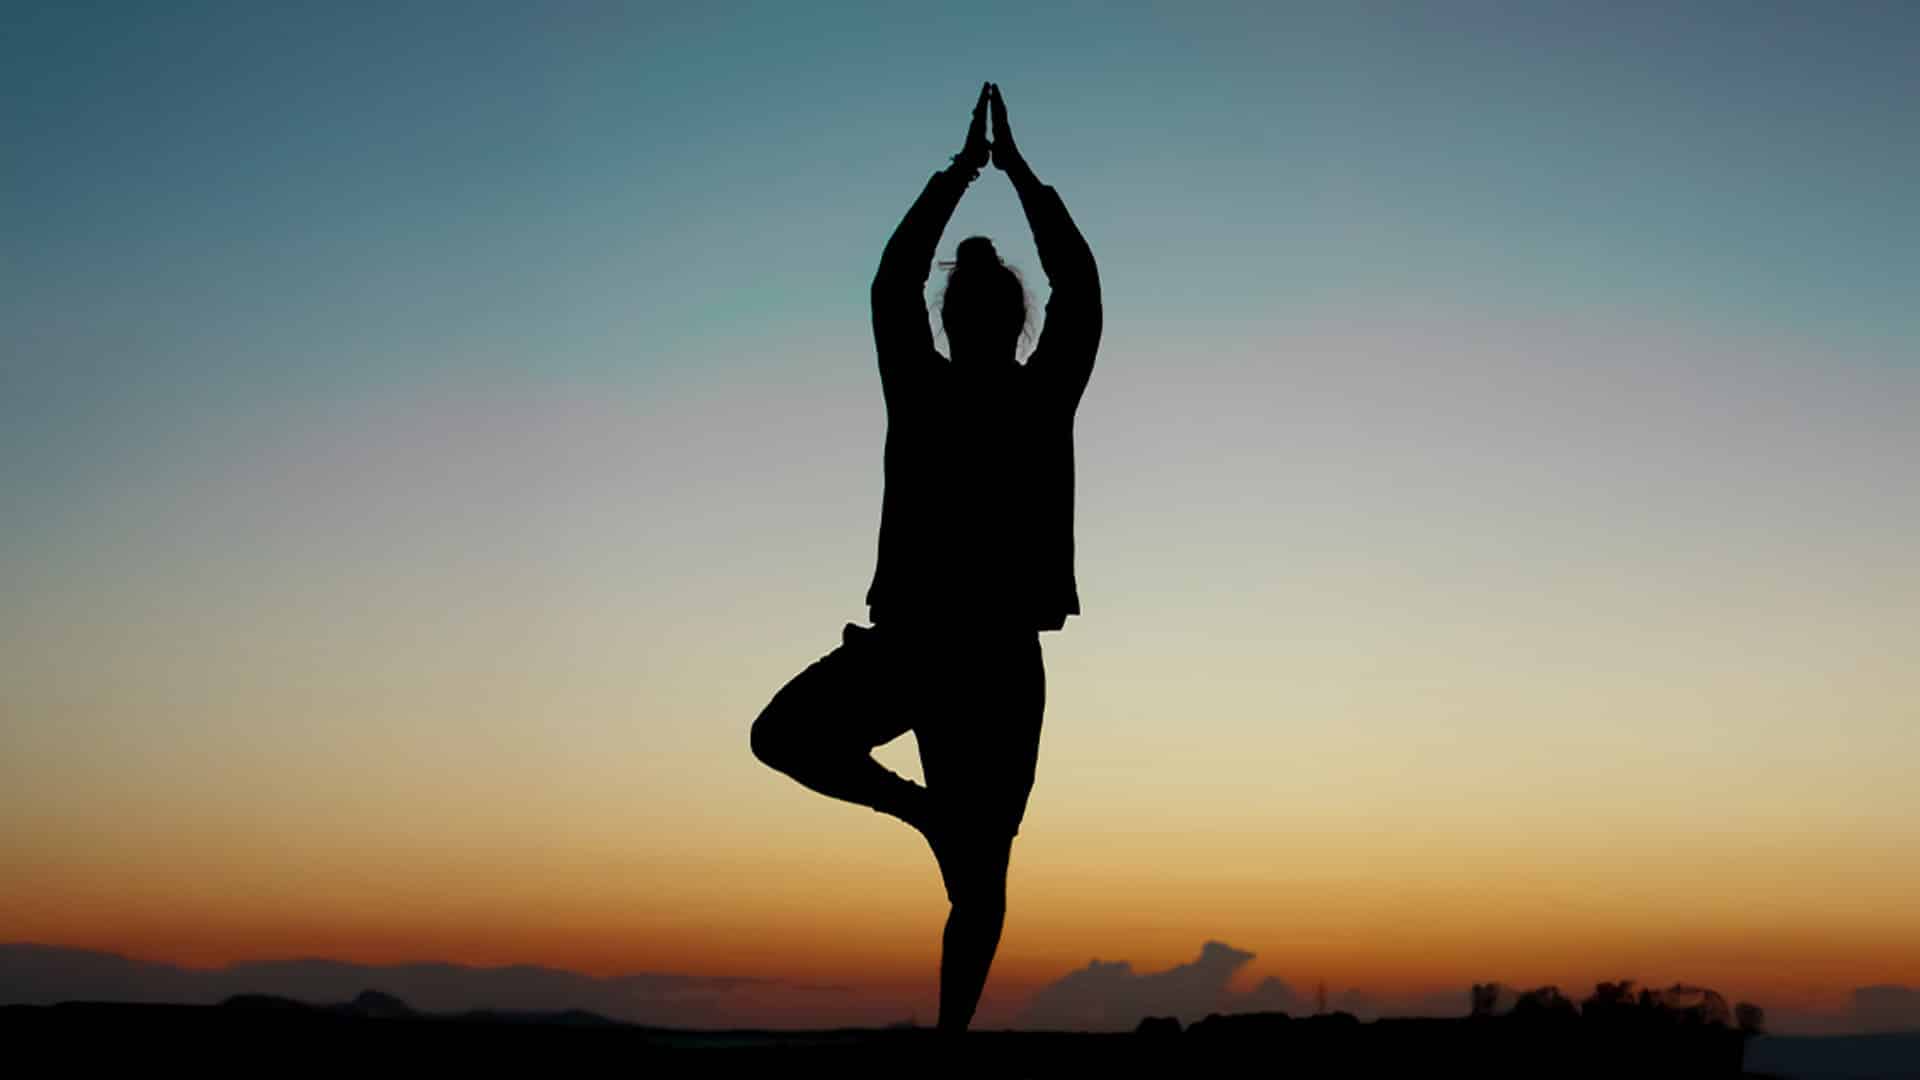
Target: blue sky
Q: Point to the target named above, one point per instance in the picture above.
(223, 211)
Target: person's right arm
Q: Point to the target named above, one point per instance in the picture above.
(901, 333)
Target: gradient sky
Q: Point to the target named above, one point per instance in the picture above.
(429, 434)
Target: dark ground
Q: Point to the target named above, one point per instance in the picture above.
(274, 1034)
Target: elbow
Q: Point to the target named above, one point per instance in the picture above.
(888, 281)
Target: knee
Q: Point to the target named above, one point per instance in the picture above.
(779, 736)
(782, 736)
(978, 889)
(979, 904)
(769, 740)
(989, 898)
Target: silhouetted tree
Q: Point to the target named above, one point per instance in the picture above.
(1546, 1001)
(1609, 999)
(1486, 998)
(1695, 1005)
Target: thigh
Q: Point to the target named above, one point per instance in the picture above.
(843, 698)
(980, 736)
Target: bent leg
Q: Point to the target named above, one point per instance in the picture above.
(821, 728)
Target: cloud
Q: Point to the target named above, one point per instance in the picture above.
(1887, 1008)
(1113, 997)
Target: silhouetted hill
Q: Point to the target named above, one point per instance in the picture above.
(46, 975)
(261, 1002)
(374, 1005)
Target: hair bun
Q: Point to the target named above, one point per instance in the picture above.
(975, 251)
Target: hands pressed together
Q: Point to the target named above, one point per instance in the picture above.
(974, 155)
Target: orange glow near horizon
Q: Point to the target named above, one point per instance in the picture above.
(1402, 920)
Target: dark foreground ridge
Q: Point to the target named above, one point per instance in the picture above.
(249, 1032)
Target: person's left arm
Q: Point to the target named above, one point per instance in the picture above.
(1070, 335)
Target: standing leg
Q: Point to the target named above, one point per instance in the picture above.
(979, 755)
(822, 726)
(976, 877)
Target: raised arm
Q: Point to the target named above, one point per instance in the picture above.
(1071, 334)
(901, 333)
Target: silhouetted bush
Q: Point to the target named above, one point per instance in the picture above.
(1545, 1002)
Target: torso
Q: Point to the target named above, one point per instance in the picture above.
(977, 517)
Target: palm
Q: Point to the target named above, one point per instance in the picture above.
(1005, 153)
(974, 154)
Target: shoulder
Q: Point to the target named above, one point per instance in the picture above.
(909, 371)
(1059, 371)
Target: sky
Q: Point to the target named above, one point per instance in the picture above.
(430, 433)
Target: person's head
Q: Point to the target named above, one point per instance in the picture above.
(984, 307)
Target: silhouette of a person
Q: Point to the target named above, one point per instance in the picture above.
(975, 552)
